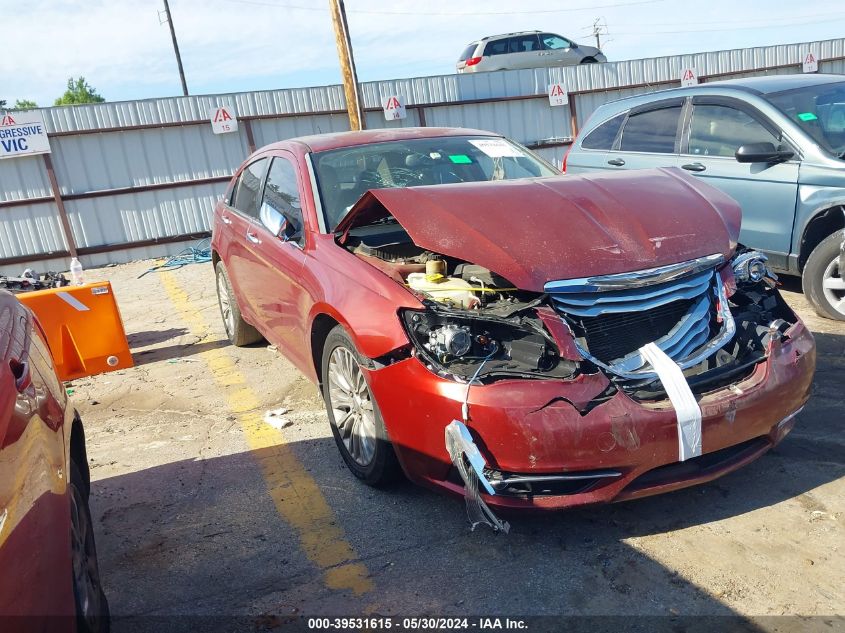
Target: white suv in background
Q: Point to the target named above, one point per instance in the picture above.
(526, 49)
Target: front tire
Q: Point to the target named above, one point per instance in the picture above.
(354, 416)
(92, 607)
(589, 60)
(240, 332)
(824, 280)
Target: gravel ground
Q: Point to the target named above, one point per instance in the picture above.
(194, 514)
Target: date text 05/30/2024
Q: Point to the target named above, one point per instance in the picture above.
(416, 624)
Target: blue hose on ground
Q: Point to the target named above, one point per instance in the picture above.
(197, 254)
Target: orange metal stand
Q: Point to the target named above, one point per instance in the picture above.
(83, 327)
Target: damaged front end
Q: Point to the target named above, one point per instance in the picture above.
(680, 331)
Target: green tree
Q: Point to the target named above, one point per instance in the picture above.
(25, 104)
(79, 91)
(2, 103)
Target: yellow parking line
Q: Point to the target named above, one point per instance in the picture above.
(295, 494)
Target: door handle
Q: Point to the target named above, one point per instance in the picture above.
(252, 237)
(693, 167)
(225, 219)
(616, 162)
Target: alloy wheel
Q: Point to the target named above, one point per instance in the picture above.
(225, 304)
(833, 286)
(352, 406)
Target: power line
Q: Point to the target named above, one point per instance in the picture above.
(450, 13)
(792, 22)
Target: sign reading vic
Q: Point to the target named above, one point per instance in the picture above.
(22, 134)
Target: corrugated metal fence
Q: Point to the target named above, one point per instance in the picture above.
(139, 179)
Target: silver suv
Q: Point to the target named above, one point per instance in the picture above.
(526, 49)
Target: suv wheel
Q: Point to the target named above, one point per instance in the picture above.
(824, 277)
(92, 608)
(239, 331)
(354, 416)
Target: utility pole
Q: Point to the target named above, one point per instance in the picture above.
(347, 66)
(175, 47)
(597, 31)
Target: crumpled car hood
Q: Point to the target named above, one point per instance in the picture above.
(533, 231)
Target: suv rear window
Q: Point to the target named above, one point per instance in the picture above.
(604, 135)
(651, 131)
(468, 51)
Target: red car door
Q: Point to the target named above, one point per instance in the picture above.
(35, 545)
(276, 273)
(244, 238)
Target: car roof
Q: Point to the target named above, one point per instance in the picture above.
(768, 84)
(338, 140)
(515, 33)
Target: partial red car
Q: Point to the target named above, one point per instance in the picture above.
(501, 331)
(49, 577)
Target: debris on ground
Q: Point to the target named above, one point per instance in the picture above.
(276, 419)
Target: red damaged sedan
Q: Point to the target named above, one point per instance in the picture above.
(495, 329)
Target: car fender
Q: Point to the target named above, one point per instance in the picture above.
(813, 200)
(361, 298)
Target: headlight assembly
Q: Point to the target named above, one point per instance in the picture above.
(458, 345)
(751, 267)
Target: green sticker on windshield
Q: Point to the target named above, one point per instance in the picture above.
(460, 159)
(807, 116)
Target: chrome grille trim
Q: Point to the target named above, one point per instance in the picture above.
(591, 304)
(637, 278)
(686, 343)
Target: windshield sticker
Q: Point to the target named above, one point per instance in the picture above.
(460, 159)
(807, 116)
(497, 147)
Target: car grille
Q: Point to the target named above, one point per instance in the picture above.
(613, 323)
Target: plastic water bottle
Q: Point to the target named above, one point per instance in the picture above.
(76, 272)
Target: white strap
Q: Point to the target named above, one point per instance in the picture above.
(680, 395)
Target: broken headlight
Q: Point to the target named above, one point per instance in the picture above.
(751, 267)
(460, 345)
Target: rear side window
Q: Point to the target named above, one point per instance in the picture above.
(468, 51)
(718, 130)
(248, 189)
(524, 44)
(497, 47)
(651, 131)
(604, 135)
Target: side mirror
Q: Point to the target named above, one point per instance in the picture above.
(762, 153)
(272, 219)
(573, 46)
(279, 225)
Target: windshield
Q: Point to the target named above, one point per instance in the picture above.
(819, 111)
(344, 175)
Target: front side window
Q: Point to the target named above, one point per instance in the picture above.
(819, 111)
(553, 42)
(281, 194)
(524, 44)
(717, 130)
(344, 175)
(248, 189)
(498, 47)
(604, 135)
(651, 131)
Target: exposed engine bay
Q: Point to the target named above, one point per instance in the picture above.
(478, 326)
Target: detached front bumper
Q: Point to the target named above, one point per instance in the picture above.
(624, 448)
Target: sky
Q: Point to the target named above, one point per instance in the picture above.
(124, 52)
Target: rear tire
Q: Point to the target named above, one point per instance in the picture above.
(824, 280)
(354, 416)
(240, 332)
(92, 607)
